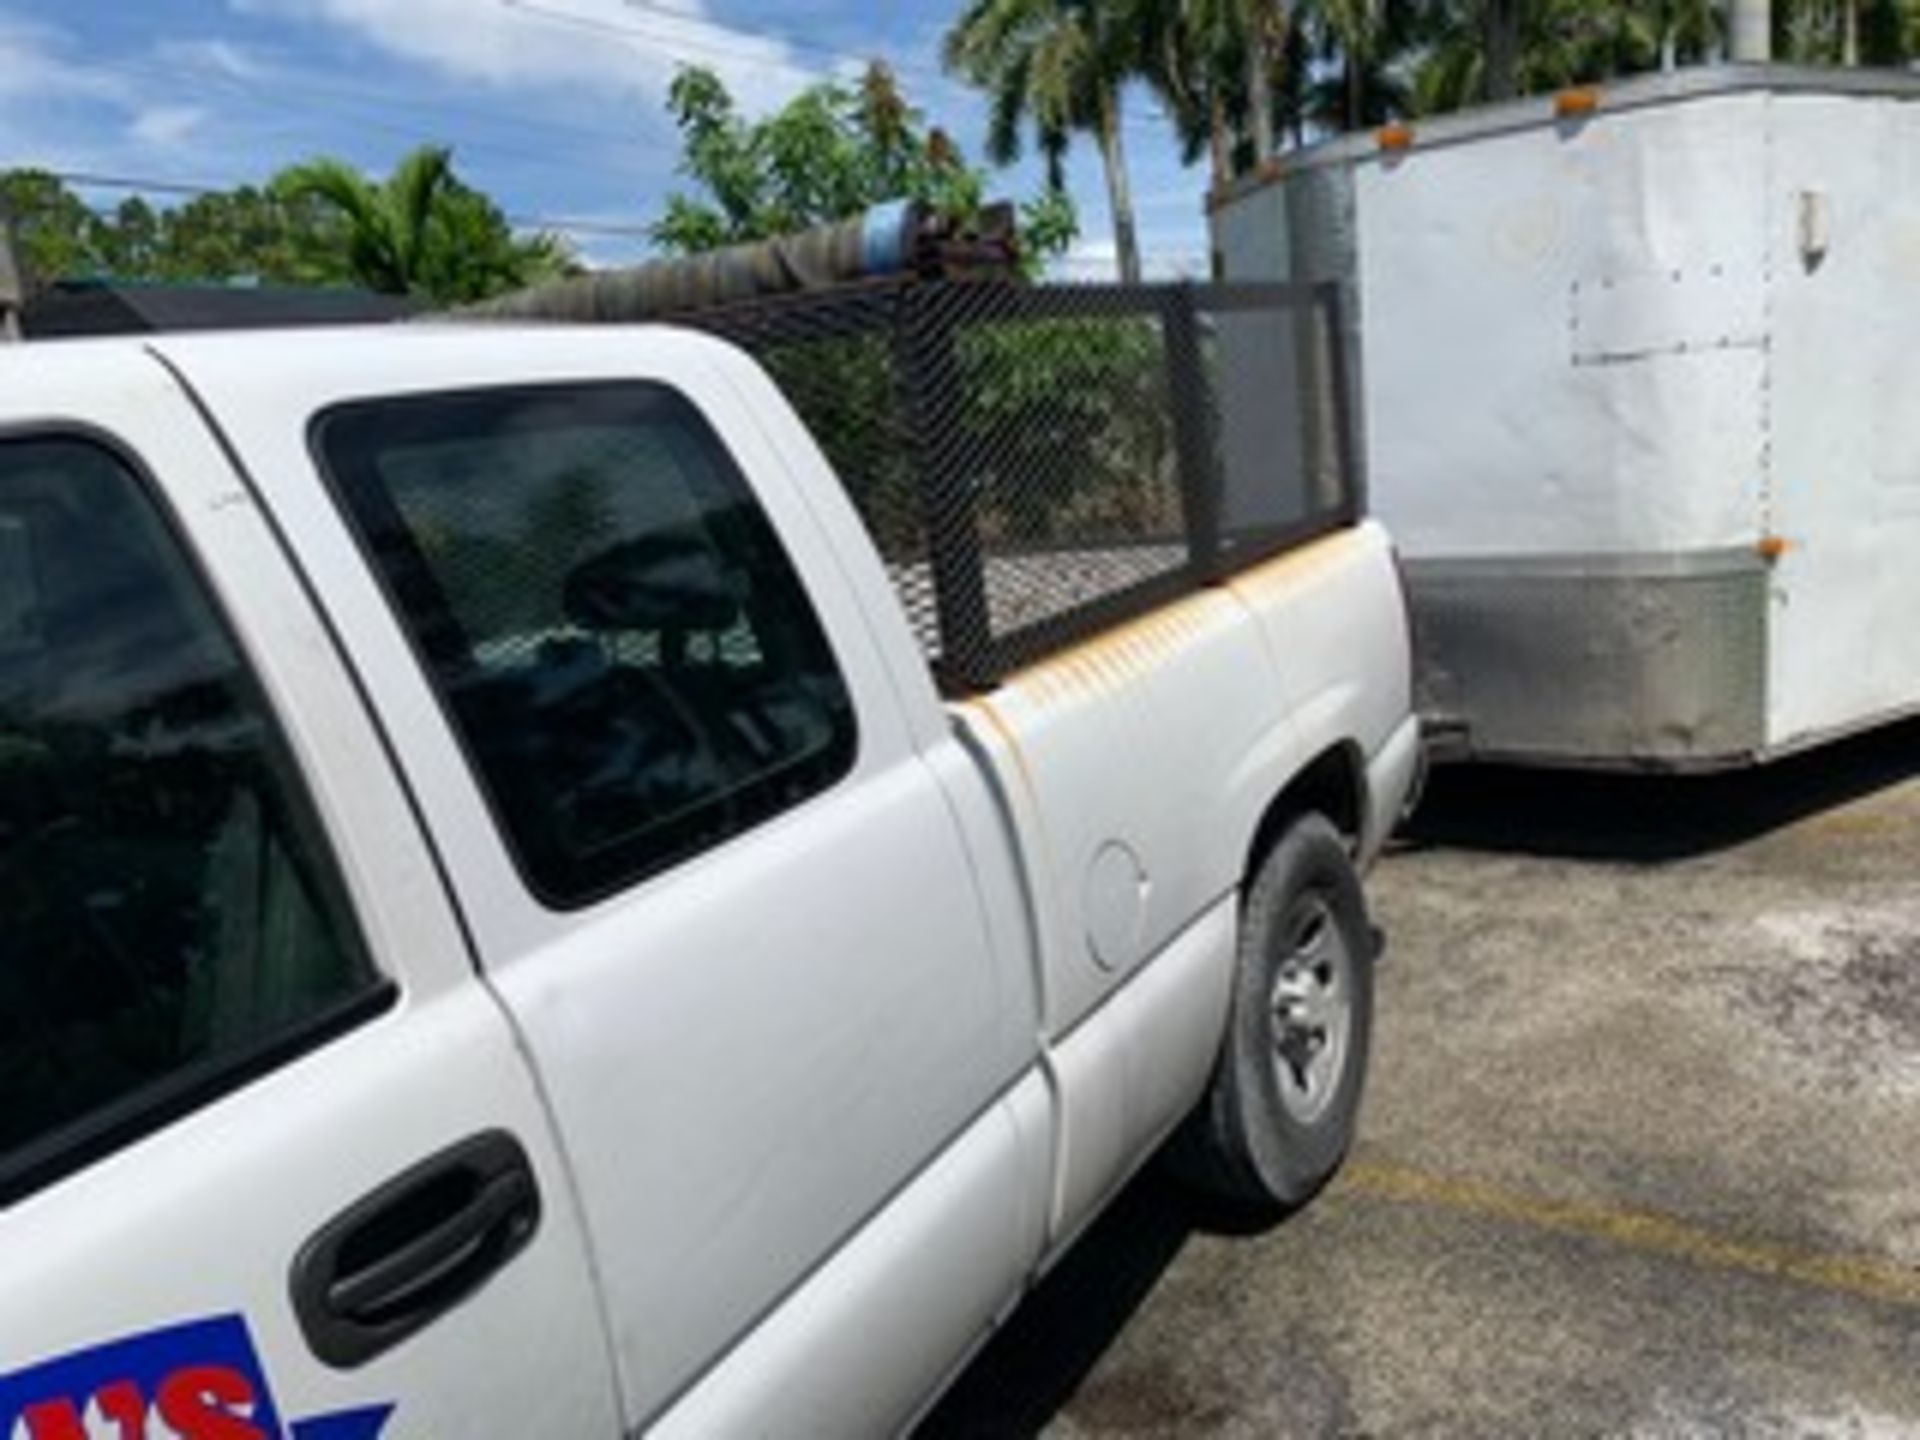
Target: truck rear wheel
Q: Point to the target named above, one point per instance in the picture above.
(1279, 1114)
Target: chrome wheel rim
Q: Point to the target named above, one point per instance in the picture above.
(1310, 1009)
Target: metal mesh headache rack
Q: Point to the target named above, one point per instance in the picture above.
(1035, 462)
(1039, 462)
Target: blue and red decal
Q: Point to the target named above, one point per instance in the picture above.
(198, 1381)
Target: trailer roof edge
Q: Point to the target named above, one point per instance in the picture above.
(1538, 111)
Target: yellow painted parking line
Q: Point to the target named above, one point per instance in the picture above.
(1640, 1230)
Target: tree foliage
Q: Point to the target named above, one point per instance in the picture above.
(1082, 405)
(421, 232)
(831, 152)
(1331, 65)
(1058, 67)
(56, 235)
(246, 231)
(1846, 32)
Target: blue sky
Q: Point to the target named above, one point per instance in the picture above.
(553, 106)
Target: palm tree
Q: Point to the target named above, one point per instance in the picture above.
(1265, 23)
(1679, 32)
(1196, 68)
(420, 231)
(1847, 32)
(1500, 35)
(1554, 43)
(387, 223)
(1559, 42)
(1356, 53)
(1214, 65)
(1352, 29)
(1059, 64)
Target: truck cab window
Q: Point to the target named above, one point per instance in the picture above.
(171, 918)
(618, 638)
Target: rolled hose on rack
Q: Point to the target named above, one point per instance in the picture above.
(884, 241)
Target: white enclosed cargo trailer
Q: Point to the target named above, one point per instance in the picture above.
(1639, 385)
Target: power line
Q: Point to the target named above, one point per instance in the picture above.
(608, 228)
(285, 87)
(795, 42)
(723, 50)
(486, 117)
(120, 182)
(613, 229)
(90, 181)
(704, 46)
(244, 91)
(309, 112)
(802, 42)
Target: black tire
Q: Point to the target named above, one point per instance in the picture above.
(1257, 1143)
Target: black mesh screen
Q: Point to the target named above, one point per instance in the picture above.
(1038, 462)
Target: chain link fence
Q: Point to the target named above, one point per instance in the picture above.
(1037, 463)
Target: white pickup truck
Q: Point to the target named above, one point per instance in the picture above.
(504, 936)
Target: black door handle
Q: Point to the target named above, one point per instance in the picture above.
(413, 1249)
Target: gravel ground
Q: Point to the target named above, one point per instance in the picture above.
(1641, 1155)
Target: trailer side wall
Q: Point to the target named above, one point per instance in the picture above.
(1565, 402)
(1844, 418)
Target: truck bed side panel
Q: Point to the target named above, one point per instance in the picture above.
(1151, 753)
(1136, 769)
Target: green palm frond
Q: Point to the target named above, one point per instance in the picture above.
(409, 196)
(1057, 66)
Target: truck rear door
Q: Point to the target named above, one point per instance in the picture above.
(270, 1162)
(713, 879)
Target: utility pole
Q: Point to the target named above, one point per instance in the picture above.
(12, 291)
(1501, 38)
(1752, 31)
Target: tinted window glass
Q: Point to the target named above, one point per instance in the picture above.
(169, 916)
(611, 622)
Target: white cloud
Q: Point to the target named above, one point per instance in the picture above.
(1184, 199)
(68, 106)
(601, 254)
(33, 68)
(221, 57)
(601, 45)
(1169, 257)
(1088, 258)
(49, 101)
(163, 127)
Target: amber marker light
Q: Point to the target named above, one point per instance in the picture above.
(1577, 103)
(1396, 137)
(1771, 548)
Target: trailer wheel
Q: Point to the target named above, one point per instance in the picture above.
(1279, 1114)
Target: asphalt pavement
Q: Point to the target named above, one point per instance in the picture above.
(1640, 1156)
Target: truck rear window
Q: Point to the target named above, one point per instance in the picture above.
(618, 638)
(171, 917)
